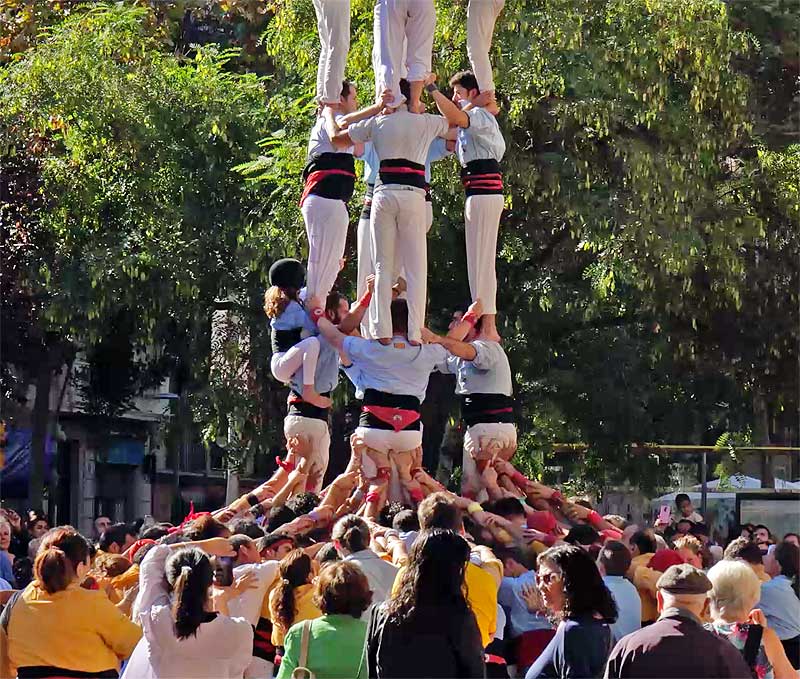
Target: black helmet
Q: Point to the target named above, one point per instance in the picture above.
(287, 273)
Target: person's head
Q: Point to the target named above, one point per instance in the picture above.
(736, 591)
(434, 576)
(23, 571)
(350, 534)
(190, 574)
(328, 554)
(614, 558)
(744, 549)
(154, 533)
(762, 536)
(747, 530)
(465, 87)
(389, 511)
(571, 585)
(399, 313)
(406, 521)
(405, 89)
(683, 586)
(276, 546)
(246, 549)
(249, 528)
(663, 559)
(342, 589)
(642, 542)
(63, 558)
(336, 307)
(277, 517)
(5, 535)
(515, 561)
(101, 524)
(303, 503)
(794, 538)
(619, 522)
(690, 550)
(683, 527)
(348, 102)
(38, 526)
(439, 511)
(683, 503)
(204, 528)
(582, 535)
(117, 538)
(286, 277)
(510, 508)
(787, 557)
(294, 570)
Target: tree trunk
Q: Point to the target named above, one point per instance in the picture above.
(40, 427)
(761, 437)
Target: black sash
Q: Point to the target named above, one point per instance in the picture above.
(402, 171)
(366, 211)
(373, 397)
(487, 408)
(298, 407)
(283, 340)
(330, 175)
(482, 177)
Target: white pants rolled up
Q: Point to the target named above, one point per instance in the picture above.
(305, 353)
(482, 222)
(481, 18)
(319, 436)
(397, 239)
(333, 26)
(384, 440)
(504, 433)
(326, 222)
(399, 23)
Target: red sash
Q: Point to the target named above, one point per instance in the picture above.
(397, 418)
(317, 176)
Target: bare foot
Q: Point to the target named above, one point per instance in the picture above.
(489, 328)
(385, 341)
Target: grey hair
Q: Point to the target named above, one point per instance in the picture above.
(736, 589)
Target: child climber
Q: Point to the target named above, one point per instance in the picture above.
(293, 348)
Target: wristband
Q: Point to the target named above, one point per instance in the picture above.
(594, 518)
(372, 496)
(252, 500)
(366, 298)
(470, 317)
(474, 507)
(519, 479)
(286, 465)
(556, 498)
(316, 313)
(417, 495)
(314, 515)
(431, 87)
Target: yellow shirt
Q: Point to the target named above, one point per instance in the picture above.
(304, 607)
(76, 629)
(481, 596)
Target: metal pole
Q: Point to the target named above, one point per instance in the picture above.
(704, 485)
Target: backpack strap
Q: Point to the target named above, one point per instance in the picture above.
(5, 616)
(752, 644)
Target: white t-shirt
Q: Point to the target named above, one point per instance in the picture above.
(248, 604)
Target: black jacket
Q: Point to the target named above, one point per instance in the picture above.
(437, 644)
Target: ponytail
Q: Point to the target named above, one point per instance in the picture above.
(277, 299)
(352, 533)
(56, 565)
(294, 571)
(190, 574)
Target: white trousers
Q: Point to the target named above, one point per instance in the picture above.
(326, 222)
(305, 353)
(504, 433)
(333, 26)
(395, 21)
(481, 17)
(397, 238)
(320, 439)
(482, 220)
(384, 440)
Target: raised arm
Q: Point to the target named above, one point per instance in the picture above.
(461, 349)
(454, 115)
(356, 314)
(461, 329)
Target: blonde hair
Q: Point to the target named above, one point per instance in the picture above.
(277, 299)
(736, 589)
(691, 543)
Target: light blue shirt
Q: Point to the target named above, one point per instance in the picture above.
(482, 139)
(371, 163)
(489, 373)
(5, 585)
(781, 606)
(326, 376)
(353, 373)
(396, 368)
(6, 572)
(293, 316)
(509, 596)
(629, 606)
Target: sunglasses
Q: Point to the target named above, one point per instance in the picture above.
(547, 578)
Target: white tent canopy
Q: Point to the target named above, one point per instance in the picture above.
(733, 484)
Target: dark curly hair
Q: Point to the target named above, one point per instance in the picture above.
(389, 511)
(585, 593)
(303, 503)
(294, 570)
(434, 576)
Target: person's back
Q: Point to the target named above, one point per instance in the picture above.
(411, 132)
(335, 648)
(676, 645)
(380, 575)
(578, 649)
(629, 606)
(738, 634)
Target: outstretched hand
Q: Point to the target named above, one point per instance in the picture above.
(429, 337)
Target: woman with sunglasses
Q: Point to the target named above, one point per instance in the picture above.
(574, 593)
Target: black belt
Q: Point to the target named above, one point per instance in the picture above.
(283, 340)
(366, 211)
(482, 177)
(47, 672)
(487, 409)
(402, 171)
(382, 399)
(300, 408)
(330, 175)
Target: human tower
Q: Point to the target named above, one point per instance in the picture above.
(381, 342)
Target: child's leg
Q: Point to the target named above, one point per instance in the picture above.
(303, 354)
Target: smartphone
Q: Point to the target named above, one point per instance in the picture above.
(664, 514)
(223, 571)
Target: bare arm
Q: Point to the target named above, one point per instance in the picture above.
(461, 329)
(331, 333)
(461, 349)
(356, 313)
(454, 115)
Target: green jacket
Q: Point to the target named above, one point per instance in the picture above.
(335, 648)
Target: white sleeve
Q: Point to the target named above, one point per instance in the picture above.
(437, 125)
(487, 354)
(152, 581)
(362, 131)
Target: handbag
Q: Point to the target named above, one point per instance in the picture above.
(301, 671)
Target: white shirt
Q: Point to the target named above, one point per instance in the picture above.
(380, 575)
(400, 135)
(248, 604)
(319, 142)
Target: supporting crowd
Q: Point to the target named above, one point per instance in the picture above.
(383, 573)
